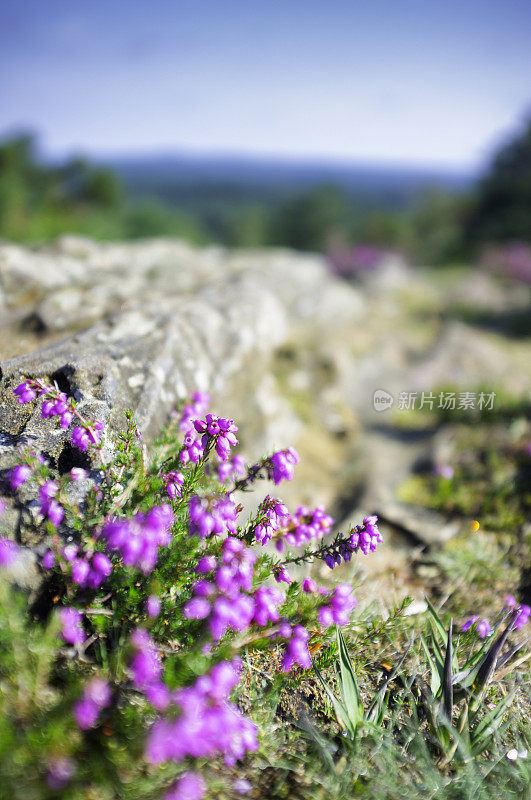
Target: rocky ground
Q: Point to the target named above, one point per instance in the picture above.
(292, 353)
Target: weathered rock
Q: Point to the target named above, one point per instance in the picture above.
(291, 352)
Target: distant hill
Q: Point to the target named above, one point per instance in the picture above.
(183, 179)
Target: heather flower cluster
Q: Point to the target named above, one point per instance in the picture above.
(173, 482)
(282, 465)
(217, 430)
(72, 626)
(278, 467)
(212, 516)
(273, 515)
(137, 540)
(523, 615)
(297, 647)
(88, 570)
(307, 524)
(146, 670)
(224, 595)
(483, 628)
(207, 725)
(339, 605)
(57, 404)
(232, 469)
(96, 697)
(365, 537)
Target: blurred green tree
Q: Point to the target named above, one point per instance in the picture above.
(502, 210)
(307, 221)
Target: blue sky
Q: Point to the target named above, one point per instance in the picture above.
(436, 82)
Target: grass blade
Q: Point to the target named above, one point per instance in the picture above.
(447, 684)
(339, 708)
(435, 669)
(349, 685)
(490, 723)
(437, 623)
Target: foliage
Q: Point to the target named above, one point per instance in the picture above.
(502, 207)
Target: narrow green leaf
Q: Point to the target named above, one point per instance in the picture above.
(349, 685)
(437, 623)
(339, 708)
(435, 669)
(489, 724)
(447, 686)
(488, 665)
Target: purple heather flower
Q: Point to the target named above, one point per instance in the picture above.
(190, 786)
(282, 464)
(158, 695)
(206, 564)
(510, 601)
(174, 482)
(212, 516)
(524, 613)
(80, 438)
(98, 690)
(307, 524)
(47, 491)
(72, 631)
(196, 608)
(146, 665)
(59, 773)
(338, 607)
(60, 405)
(297, 650)
(19, 475)
(102, 564)
(66, 419)
(282, 575)
(8, 552)
(94, 432)
(78, 474)
(208, 724)
(483, 628)
(86, 713)
(47, 409)
(273, 515)
(223, 598)
(153, 606)
(80, 571)
(241, 786)
(309, 585)
(48, 559)
(194, 410)
(138, 539)
(232, 469)
(221, 430)
(267, 600)
(469, 622)
(192, 449)
(24, 393)
(69, 552)
(53, 511)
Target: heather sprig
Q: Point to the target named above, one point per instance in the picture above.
(57, 404)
